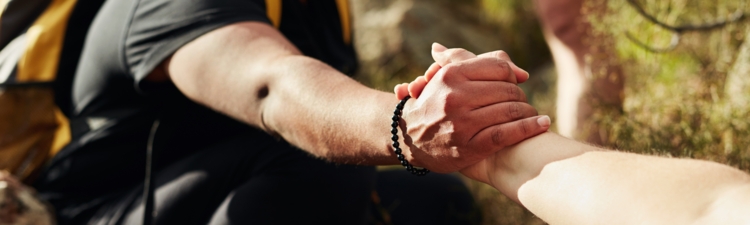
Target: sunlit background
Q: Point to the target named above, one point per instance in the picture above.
(683, 97)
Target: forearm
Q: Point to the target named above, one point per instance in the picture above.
(580, 184)
(256, 76)
(514, 166)
(320, 110)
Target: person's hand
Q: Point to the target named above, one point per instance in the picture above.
(445, 56)
(470, 109)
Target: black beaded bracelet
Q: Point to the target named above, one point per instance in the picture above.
(396, 148)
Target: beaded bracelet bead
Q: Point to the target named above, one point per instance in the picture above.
(396, 147)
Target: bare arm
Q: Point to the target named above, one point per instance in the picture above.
(255, 75)
(567, 182)
(581, 184)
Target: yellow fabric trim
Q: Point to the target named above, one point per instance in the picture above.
(62, 133)
(45, 38)
(343, 6)
(273, 11)
(32, 127)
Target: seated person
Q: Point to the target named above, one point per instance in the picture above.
(567, 182)
(245, 117)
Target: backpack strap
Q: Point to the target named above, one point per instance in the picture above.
(273, 11)
(343, 7)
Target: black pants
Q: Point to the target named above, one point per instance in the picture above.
(227, 184)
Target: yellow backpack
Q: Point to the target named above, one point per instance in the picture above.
(32, 127)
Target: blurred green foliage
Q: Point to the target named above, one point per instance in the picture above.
(692, 101)
(476, 25)
(679, 103)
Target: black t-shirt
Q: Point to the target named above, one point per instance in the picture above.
(114, 112)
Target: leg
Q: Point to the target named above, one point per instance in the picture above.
(242, 181)
(436, 199)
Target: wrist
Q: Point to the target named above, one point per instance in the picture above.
(396, 120)
(518, 164)
(405, 141)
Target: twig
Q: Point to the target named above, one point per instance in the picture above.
(678, 30)
(672, 44)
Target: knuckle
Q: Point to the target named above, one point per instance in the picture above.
(502, 64)
(452, 71)
(452, 101)
(524, 127)
(514, 111)
(513, 92)
(502, 54)
(503, 67)
(497, 136)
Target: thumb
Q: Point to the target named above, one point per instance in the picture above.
(443, 56)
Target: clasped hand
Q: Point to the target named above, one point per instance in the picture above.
(466, 108)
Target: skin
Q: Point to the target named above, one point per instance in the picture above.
(567, 182)
(256, 76)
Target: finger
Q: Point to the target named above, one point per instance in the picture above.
(416, 86)
(501, 113)
(486, 93)
(431, 71)
(503, 135)
(444, 56)
(521, 74)
(401, 91)
(480, 69)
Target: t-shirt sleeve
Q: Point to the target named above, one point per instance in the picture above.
(158, 28)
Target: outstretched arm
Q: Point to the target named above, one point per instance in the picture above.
(567, 182)
(257, 76)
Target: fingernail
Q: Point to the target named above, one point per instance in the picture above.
(438, 47)
(544, 121)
